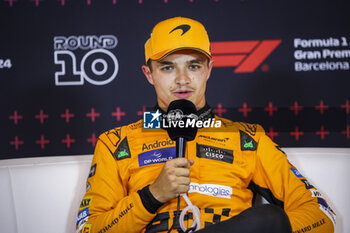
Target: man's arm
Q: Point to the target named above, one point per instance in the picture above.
(107, 206)
(281, 183)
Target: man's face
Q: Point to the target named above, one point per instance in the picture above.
(180, 75)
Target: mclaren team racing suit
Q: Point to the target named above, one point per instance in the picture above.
(231, 165)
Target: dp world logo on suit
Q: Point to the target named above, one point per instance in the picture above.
(151, 120)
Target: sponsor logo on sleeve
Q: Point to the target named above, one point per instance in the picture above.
(326, 209)
(88, 185)
(86, 202)
(123, 151)
(247, 142)
(86, 228)
(307, 184)
(118, 218)
(83, 214)
(157, 156)
(248, 145)
(92, 170)
(315, 193)
(214, 190)
(81, 224)
(296, 172)
(215, 153)
(122, 154)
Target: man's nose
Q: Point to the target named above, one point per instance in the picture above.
(182, 78)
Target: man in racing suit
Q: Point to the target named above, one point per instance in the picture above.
(135, 176)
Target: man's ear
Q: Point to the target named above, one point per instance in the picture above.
(210, 66)
(147, 72)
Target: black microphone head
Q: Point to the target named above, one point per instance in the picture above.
(180, 118)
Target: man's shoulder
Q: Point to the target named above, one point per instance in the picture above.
(114, 137)
(115, 133)
(253, 130)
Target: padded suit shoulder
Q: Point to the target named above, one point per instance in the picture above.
(117, 143)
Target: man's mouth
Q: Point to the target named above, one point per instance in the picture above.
(183, 94)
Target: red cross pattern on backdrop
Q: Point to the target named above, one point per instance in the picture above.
(68, 140)
(143, 109)
(93, 139)
(271, 133)
(219, 110)
(296, 108)
(67, 115)
(347, 132)
(118, 114)
(92, 114)
(87, 2)
(16, 142)
(245, 110)
(42, 141)
(296, 133)
(270, 109)
(15, 117)
(42, 116)
(321, 107)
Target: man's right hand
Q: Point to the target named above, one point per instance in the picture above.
(173, 180)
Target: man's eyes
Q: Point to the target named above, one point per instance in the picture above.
(170, 67)
(194, 67)
(166, 68)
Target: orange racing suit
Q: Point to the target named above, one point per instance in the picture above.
(231, 165)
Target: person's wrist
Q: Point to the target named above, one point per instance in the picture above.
(148, 200)
(155, 194)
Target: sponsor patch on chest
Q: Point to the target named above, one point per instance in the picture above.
(214, 190)
(215, 153)
(157, 156)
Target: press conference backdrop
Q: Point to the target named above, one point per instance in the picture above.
(70, 69)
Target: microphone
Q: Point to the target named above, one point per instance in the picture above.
(179, 113)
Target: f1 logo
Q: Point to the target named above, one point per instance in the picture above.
(246, 55)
